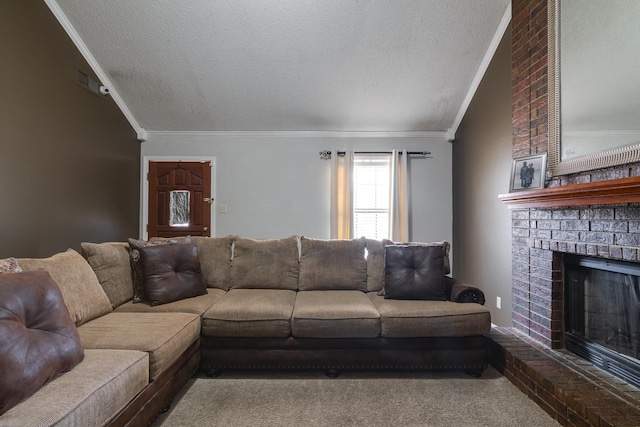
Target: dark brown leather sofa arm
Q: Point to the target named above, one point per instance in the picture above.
(462, 292)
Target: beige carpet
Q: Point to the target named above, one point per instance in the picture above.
(263, 398)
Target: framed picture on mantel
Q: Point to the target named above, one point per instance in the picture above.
(528, 173)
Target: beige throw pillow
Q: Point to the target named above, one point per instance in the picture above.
(9, 265)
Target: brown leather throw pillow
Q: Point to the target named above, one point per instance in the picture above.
(414, 272)
(136, 266)
(171, 273)
(39, 339)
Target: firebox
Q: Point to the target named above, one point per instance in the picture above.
(602, 314)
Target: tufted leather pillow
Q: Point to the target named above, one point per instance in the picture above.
(135, 244)
(414, 272)
(39, 339)
(446, 247)
(171, 273)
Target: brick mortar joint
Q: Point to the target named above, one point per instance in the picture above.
(532, 242)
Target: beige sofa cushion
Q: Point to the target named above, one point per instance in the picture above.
(334, 314)
(265, 264)
(332, 264)
(89, 395)
(196, 305)
(215, 259)
(82, 293)
(250, 313)
(418, 318)
(163, 335)
(112, 264)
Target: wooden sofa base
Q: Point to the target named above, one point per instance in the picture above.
(158, 394)
(467, 353)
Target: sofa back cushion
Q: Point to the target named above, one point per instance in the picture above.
(375, 265)
(265, 264)
(215, 260)
(79, 285)
(39, 339)
(112, 265)
(332, 265)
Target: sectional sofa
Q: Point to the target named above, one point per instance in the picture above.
(142, 317)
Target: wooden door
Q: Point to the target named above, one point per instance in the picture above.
(179, 199)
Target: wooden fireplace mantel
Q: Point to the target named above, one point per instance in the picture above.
(623, 190)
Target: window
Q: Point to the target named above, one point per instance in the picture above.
(371, 195)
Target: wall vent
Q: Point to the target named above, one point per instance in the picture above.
(89, 83)
(83, 79)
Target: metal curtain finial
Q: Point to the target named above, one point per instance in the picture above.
(325, 155)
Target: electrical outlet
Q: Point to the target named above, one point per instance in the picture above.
(222, 208)
(499, 302)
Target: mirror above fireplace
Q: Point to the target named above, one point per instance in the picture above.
(594, 84)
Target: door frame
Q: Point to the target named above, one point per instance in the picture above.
(144, 188)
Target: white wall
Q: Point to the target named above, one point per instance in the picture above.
(277, 186)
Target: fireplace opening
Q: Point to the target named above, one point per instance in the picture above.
(602, 314)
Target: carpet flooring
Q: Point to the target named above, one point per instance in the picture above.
(356, 398)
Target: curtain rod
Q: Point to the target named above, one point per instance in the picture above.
(326, 154)
(421, 153)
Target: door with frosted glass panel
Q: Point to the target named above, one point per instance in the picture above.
(179, 199)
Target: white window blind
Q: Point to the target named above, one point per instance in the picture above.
(371, 195)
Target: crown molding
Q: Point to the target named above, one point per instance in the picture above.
(296, 134)
(88, 56)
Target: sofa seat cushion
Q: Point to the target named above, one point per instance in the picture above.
(334, 314)
(112, 264)
(250, 313)
(265, 264)
(196, 305)
(89, 395)
(82, 293)
(418, 318)
(165, 336)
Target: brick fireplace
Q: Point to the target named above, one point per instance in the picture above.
(541, 236)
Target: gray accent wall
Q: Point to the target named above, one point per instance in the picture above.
(481, 171)
(69, 160)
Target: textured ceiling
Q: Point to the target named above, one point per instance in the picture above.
(288, 65)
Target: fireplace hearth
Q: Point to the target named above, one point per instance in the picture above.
(602, 314)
